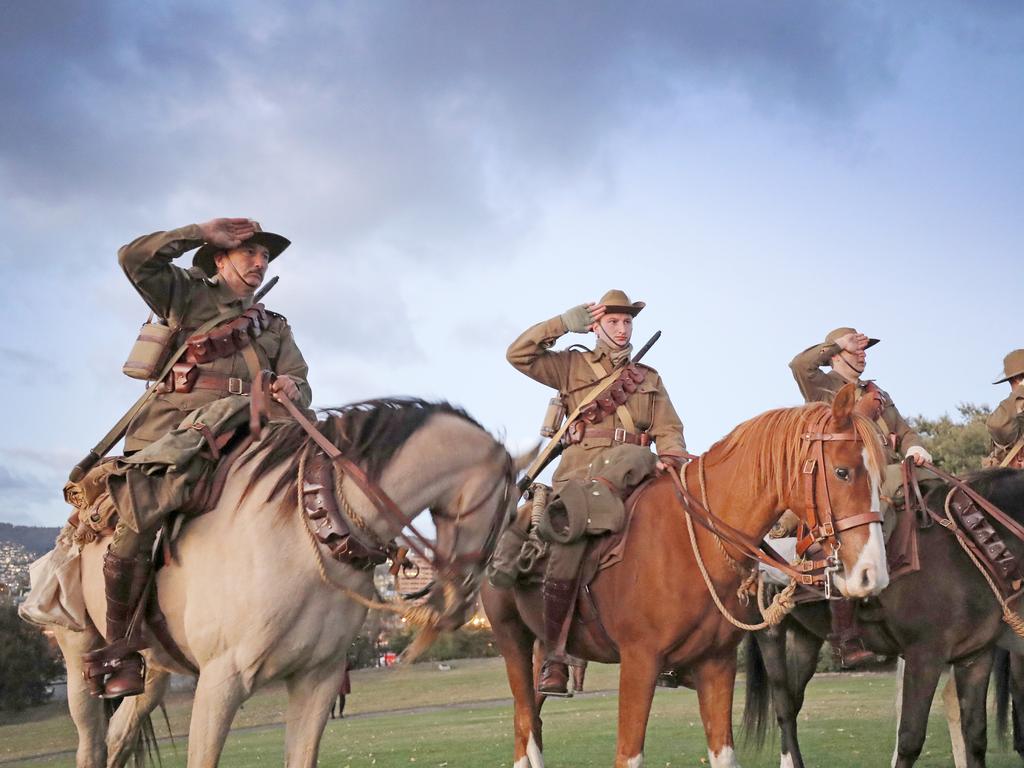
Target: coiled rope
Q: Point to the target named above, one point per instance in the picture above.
(782, 603)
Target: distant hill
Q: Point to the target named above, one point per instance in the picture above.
(35, 539)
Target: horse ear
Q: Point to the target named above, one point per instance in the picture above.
(842, 407)
(524, 460)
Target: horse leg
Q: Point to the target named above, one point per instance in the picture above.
(797, 664)
(638, 672)
(310, 696)
(951, 704)
(87, 711)
(515, 642)
(220, 691)
(1017, 701)
(971, 677)
(715, 678)
(919, 681)
(125, 725)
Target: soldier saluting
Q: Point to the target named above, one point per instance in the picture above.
(1006, 422)
(205, 397)
(845, 352)
(639, 414)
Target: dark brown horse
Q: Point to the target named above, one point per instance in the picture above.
(654, 605)
(943, 614)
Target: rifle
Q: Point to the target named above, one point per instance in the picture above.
(110, 439)
(555, 446)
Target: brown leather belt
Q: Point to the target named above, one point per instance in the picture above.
(206, 380)
(618, 435)
(219, 382)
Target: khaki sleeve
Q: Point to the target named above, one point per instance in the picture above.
(531, 354)
(666, 426)
(291, 363)
(806, 368)
(146, 262)
(1006, 422)
(906, 437)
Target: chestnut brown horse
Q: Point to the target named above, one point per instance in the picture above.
(654, 605)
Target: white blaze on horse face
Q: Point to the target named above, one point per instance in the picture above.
(870, 574)
(726, 758)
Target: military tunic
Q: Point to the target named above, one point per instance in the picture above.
(571, 373)
(187, 299)
(818, 386)
(1006, 425)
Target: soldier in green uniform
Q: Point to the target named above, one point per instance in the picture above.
(1006, 422)
(207, 394)
(646, 416)
(844, 351)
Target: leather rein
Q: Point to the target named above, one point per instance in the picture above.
(386, 506)
(820, 526)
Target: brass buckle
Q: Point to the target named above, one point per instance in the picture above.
(235, 386)
(809, 466)
(619, 436)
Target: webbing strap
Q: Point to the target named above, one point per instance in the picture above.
(542, 458)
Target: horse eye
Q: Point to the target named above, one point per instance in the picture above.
(842, 473)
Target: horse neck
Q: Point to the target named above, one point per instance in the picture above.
(422, 477)
(733, 493)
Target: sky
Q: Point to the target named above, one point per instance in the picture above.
(451, 173)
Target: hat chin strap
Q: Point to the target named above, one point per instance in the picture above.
(227, 256)
(602, 335)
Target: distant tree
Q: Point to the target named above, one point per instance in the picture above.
(957, 445)
(27, 665)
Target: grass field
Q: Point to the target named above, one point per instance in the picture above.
(422, 716)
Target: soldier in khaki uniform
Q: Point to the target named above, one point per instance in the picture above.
(1006, 422)
(845, 352)
(647, 416)
(205, 398)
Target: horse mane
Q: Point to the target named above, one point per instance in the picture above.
(369, 433)
(778, 433)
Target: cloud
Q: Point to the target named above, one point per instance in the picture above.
(435, 121)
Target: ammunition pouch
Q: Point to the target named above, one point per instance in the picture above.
(228, 338)
(615, 396)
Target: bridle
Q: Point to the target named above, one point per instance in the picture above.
(818, 536)
(448, 570)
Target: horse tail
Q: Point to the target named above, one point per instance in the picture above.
(1001, 677)
(758, 694)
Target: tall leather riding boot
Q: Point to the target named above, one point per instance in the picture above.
(847, 643)
(127, 672)
(554, 674)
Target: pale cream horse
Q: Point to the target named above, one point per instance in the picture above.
(252, 600)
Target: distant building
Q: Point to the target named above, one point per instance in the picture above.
(14, 563)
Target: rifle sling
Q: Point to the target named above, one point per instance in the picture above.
(1012, 453)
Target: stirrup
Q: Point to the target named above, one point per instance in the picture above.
(550, 684)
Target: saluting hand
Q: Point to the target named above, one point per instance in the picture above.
(284, 387)
(853, 342)
(227, 233)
